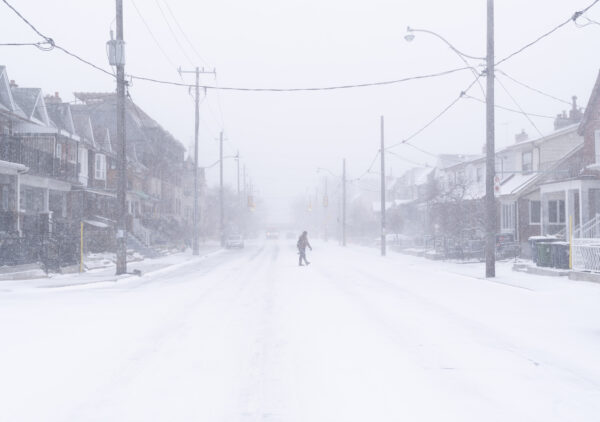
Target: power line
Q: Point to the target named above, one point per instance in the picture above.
(153, 36)
(437, 116)
(532, 88)
(325, 88)
(408, 160)
(52, 44)
(42, 45)
(573, 18)
(520, 108)
(173, 33)
(368, 169)
(424, 151)
(229, 88)
(48, 40)
(183, 32)
(512, 110)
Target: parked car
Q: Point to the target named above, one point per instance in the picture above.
(234, 241)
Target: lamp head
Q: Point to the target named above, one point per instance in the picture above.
(409, 35)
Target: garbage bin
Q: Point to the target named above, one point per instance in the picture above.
(560, 255)
(533, 242)
(544, 254)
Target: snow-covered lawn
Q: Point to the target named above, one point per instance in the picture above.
(249, 336)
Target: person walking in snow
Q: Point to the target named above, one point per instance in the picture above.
(302, 244)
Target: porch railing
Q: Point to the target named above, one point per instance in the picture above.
(585, 247)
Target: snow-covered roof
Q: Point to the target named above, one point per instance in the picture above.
(8, 167)
(514, 183)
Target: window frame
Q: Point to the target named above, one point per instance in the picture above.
(539, 205)
(100, 167)
(557, 206)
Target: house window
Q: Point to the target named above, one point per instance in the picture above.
(508, 217)
(556, 211)
(100, 173)
(59, 151)
(597, 146)
(535, 212)
(527, 162)
(479, 174)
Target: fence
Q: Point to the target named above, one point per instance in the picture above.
(585, 248)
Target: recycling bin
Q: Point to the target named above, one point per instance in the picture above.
(560, 255)
(533, 242)
(544, 254)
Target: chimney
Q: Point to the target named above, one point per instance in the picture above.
(53, 99)
(520, 137)
(573, 117)
(13, 84)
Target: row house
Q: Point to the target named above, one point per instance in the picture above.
(47, 154)
(58, 169)
(543, 183)
(155, 168)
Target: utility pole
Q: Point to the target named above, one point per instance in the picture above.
(221, 205)
(122, 151)
(490, 200)
(344, 202)
(195, 230)
(237, 157)
(382, 151)
(325, 213)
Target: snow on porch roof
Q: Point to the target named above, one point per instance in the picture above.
(95, 223)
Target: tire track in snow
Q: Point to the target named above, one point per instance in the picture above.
(481, 335)
(176, 327)
(261, 396)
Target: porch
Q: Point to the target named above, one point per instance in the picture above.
(567, 204)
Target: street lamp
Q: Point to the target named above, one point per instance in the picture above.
(490, 200)
(410, 36)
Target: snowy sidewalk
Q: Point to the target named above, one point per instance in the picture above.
(105, 273)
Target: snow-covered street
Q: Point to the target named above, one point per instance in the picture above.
(249, 336)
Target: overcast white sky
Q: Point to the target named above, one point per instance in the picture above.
(284, 137)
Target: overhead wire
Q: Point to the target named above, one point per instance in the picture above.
(368, 170)
(185, 36)
(437, 116)
(42, 45)
(407, 159)
(162, 50)
(512, 110)
(519, 107)
(532, 88)
(173, 33)
(322, 88)
(573, 18)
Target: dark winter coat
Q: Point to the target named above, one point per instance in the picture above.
(303, 243)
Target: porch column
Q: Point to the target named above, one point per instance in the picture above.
(18, 202)
(46, 200)
(543, 214)
(584, 205)
(568, 213)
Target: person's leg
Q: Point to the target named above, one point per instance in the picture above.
(301, 255)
